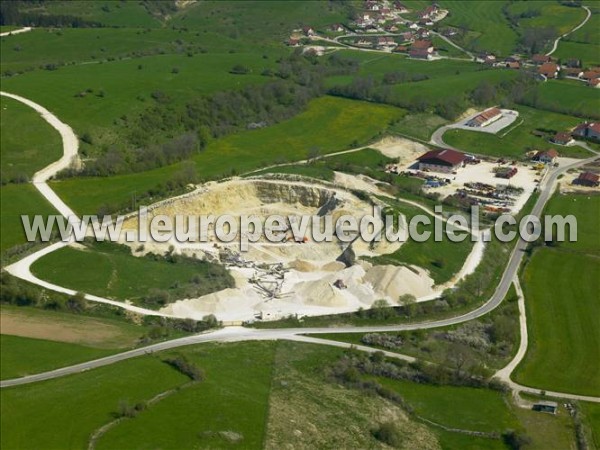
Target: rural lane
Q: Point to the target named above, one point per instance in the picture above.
(17, 31)
(587, 17)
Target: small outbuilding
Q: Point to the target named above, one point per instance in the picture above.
(545, 406)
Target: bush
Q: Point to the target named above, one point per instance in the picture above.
(187, 368)
(389, 434)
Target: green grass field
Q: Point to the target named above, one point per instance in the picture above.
(27, 143)
(228, 400)
(328, 125)
(568, 96)
(458, 85)
(420, 125)
(22, 356)
(109, 270)
(120, 88)
(17, 200)
(62, 413)
(591, 414)
(519, 139)
(548, 13)
(561, 288)
(489, 30)
(127, 13)
(457, 407)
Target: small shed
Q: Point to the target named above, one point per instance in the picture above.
(545, 406)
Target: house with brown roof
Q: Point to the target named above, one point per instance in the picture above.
(293, 42)
(572, 72)
(549, 70)
(595, 83)
(540, 59)
(588, 179)
(308, 31)
(442, 160)
(546, 157)
(587, 130)
(336, 28)
(562, 139)
(513, 65)
(590, 75)
(485, 118)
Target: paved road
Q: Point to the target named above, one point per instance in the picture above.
(587, 17)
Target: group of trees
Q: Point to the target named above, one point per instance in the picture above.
(16, 13)
(16, 292)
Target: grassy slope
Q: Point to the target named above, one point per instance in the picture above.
(62, 413)
(228, 400)
(489, 29)
(329, 124)
(127, 89)
(111, 272)
(567, 95)
(115, 14)
(27, 142)
(520, 138)
(591, 414)
(15, 200)
(561, 286)
(457, 407)
(42, 355)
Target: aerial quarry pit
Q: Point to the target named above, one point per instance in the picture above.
(278, 279)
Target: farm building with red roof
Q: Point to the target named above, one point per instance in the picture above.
(587, 179)
(443, 160)
(485, 118)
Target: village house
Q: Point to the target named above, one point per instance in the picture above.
(400, 8)
(422, 33)
(590, 75)
(336, 28)
(512, 65)
(546, 157)
(386, 41)
(308, 31)
(587, 130)
(429, 12)
(485, 118)
(443, 160)
(549, 70)
(485, 58)
(540, 59)
(408, 36)
(588, 179)
(595, 83)
(572, 72)
(293, 42)
(401, 49)
(372, 5)
(562, 139)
